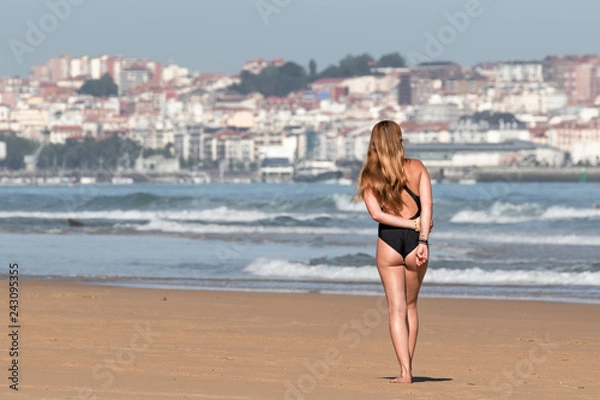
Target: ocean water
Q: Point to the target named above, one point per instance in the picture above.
(491, 240)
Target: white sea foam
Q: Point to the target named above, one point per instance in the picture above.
(344, 203)
(284, 268)
(265, 267)
(478, 276)
(499, 213)
(562, 213)
(219, 214)
(485, 217)
(517, 238)
(508, 213)
(97, 215)
(190, 228)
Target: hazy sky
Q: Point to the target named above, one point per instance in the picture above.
(220, 35)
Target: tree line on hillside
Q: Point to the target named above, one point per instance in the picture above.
(78, 154)
(88, 153)
(276, 81)
(16, 150)
(103, 87)
(281, 81)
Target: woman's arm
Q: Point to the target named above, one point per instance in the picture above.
(426, 216)
(382, 217)
(426, 204)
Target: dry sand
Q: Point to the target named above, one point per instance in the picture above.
(79, 341)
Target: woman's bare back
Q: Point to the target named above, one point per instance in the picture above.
(412, 169)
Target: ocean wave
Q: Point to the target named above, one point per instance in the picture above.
(79, 215)
(345, 203)
(562, 213)
(265, 267)
(289, 269)
(190, 228)
(219, 214)
(478, 276)
(126, 201)
(517, 238)
(499, 213)
(509, 213)
(353, 260)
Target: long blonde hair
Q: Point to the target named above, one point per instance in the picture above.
(383, 171)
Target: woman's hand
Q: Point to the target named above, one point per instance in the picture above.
(422, 254)
(417, 222)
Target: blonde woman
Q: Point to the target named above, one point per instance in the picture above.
(397, 193)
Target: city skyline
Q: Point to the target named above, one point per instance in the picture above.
(464, 31)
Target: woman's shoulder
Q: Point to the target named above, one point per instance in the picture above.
(413, 163)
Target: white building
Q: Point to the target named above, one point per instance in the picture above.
(276, 169)
(282, 147)
(370, 84)
(98, 66)
(80, 67)
(60, 133)
(236, 146)
(437, 113)
(581, 141)
(4, 113)
(157, 163)
(520, 71)
(31, 122)
(355, 143)
(488, 127)
(132, 78)
(188, 140)
(513, 153)
(173, 71)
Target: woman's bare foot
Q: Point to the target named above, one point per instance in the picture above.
(401, 379)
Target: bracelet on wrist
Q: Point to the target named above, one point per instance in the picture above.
(424, 241)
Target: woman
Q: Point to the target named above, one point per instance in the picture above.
(397, 193)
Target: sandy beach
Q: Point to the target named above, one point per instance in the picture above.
(79, 341)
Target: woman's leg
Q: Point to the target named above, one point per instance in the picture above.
(391, 270)
(413, 278)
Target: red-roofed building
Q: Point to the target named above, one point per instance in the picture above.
(8, 98)
(579, 76)
(255, 66)
(52, 92)
(327, 84)
(278, 103)
(582, 141)
(278, 62)
(539, 134)
(60, 133)
(411, 126)
(96, 114)
(429, 132)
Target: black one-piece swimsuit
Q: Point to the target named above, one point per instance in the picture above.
(402, 240)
